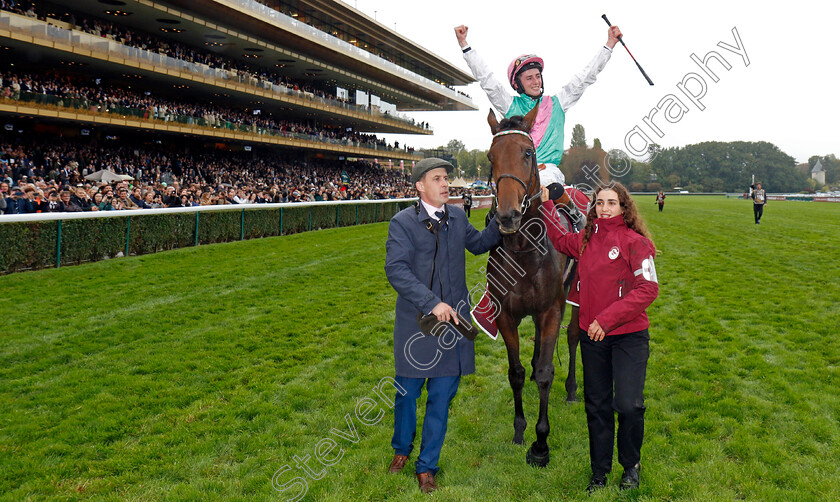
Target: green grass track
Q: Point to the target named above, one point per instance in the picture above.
(200, 373)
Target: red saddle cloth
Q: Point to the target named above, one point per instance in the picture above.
(580, 199)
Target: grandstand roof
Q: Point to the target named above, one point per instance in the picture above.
(291, 62)
(319, 39)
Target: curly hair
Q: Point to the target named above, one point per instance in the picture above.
(631, 215)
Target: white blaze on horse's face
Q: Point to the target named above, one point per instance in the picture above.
(531, 81)
(607, 204)
(434, 187)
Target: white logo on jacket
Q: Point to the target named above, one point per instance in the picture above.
(613, 254)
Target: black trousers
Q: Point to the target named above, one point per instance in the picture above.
(758, 211)
(614, 372)
(467, 209)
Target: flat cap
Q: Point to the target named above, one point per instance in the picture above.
(426, 165)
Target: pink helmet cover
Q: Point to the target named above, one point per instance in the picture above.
(523, 61)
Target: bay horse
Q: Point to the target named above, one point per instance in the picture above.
(525, 272)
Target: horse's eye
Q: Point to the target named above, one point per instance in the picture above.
(528, 153)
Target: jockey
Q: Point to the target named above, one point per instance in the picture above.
(525, 77)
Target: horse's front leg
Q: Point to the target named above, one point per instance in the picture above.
(536, 356)
(516, 373)
(549, 322)
(572, 338)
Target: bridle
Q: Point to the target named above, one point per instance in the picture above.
(532, 181)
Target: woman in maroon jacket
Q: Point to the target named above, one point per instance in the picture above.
(617, 283)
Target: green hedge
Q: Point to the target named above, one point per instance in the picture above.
(34, 245)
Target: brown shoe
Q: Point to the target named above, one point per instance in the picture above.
(397, 464)
(427, 482)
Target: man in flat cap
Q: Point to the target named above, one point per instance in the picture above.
(426, 265)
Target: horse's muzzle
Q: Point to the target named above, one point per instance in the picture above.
(509, 222)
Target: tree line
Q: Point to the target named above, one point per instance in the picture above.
(711, 166)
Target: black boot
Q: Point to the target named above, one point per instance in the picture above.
(630, 478)
(596, 482)
(578, 219)
(490, 215)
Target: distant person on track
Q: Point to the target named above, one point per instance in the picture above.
(617, 283)
(425, 264)
(660, 200)
(759, 199)
(467, 197)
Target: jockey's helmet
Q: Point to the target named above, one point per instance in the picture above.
(520, 64)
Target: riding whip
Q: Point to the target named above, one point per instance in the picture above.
(628, 52)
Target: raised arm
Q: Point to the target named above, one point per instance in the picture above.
(571, 92)
(495, 90)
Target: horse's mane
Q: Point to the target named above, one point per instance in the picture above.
(515, 122)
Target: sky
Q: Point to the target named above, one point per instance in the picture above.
(783, 96)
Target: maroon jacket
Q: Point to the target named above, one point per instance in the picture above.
(617, 276)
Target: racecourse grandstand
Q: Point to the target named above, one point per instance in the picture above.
(309, 82)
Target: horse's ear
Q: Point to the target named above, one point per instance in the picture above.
(494, 124)
(530, 118)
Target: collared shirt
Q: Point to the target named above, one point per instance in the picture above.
(431, 210)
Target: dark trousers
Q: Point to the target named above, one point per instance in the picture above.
(758, 211)
(614, 371)
(441, 391)
(660, 207)
(467, 209)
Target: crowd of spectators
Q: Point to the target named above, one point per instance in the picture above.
(50, 176)
(84, 92)
(132, 38)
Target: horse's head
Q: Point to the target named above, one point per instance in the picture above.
(513, 160)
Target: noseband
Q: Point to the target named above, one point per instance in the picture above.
(526, 201)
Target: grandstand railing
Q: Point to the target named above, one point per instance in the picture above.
(55, 34)
(43, 240)
(163, 116)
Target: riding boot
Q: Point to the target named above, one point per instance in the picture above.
(563, 202)
(490, 214)
(556, 191)
(577, 218)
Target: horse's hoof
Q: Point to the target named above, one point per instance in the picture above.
(518, 439)
(571, 400)
(536, 460)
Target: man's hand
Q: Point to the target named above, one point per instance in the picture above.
(596, 332)
(461, 35)
(445, 313)
(613, 33)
